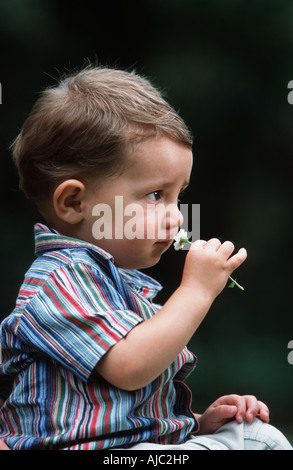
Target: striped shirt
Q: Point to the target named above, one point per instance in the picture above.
(73, 306)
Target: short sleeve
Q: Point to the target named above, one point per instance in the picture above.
(75, 318)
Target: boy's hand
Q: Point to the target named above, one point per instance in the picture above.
(208, 266)
(231, 407)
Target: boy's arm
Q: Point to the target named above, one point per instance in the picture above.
(153, 345)
(150, 347)
(3, 446)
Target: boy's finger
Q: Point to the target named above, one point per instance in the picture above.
(226, 249)
(228, 411)
(239, 402)
(198, 244)
(212, 244)
(252, 407)
(264, 412)
(237, 259)
(241, 408)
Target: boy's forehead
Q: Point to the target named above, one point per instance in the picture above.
(160, 159)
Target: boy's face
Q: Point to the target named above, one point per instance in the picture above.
(137, 212)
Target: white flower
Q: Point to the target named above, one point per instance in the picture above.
(180, 239)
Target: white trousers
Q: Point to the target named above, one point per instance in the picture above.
(232, 436)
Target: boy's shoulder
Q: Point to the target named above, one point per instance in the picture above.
(57, 255)
(67, 264)
(54, 251)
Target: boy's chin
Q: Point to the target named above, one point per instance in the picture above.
(148, 256)
(141, 263)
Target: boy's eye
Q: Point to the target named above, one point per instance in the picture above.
(154, 196)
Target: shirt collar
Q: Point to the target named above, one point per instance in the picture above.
(47, 239)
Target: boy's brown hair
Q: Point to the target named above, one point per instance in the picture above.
(83, 127)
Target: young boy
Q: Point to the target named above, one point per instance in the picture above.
(96, 364)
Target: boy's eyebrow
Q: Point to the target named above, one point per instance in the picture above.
(160, 184)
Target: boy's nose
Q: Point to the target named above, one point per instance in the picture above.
(174, 218)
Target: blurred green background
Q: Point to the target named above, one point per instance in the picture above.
(226, 66)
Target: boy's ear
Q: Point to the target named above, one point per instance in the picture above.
(68, 201)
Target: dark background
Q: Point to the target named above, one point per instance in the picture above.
(226, 66)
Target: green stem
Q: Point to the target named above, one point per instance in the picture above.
(236, 283)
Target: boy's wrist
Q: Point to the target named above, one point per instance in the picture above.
(196, 295)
